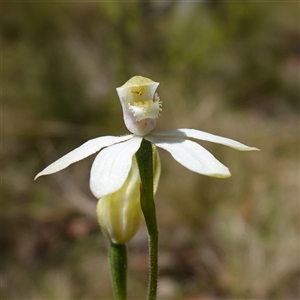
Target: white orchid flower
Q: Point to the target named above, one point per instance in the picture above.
(141, 107)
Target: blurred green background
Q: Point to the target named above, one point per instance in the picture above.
(229, 68)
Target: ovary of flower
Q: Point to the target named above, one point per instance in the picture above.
(112, 165)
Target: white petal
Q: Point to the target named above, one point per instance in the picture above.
(192, 156)
(111, 167)
(205, 136)
(83, 151)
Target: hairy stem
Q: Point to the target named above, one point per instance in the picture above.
(118, 264)
(144, 158)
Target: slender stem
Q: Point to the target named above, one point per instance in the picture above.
(118, 264)
(144, 158)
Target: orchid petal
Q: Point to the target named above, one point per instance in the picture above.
(205, 136)
(111, 167)
(192, 156)
(83, 151)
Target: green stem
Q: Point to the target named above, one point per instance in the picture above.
(118, 264)
(144, 158)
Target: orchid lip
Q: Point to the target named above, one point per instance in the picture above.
(146, 109)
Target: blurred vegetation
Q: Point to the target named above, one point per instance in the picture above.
(229, 68)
